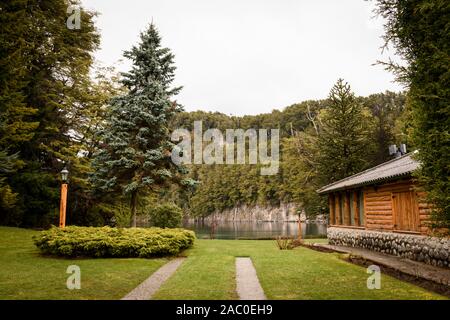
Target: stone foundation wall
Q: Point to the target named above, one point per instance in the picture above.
(430, 250)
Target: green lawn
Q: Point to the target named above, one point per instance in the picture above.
(25, 274)
(207, 273)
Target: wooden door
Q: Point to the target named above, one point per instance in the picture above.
(405, 211)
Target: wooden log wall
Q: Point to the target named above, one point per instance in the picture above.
(346, 199)
(337, 207)
(379, 206)
(332, 209)
(355, 206)
(424, 212)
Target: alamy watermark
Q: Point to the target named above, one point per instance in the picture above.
(374, 280)
(74, 280)
(236, 146)
(74, 20)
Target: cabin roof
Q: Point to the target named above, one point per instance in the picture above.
(393, 169)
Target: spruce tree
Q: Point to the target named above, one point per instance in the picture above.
(343, 139)
(134, 157)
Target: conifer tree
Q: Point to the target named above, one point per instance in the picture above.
(43, 66)
(134, 157)
(418, 30)
(344, 135)
(15, 124)
(7, 196)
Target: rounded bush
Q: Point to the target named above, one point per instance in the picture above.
(167, 215)
(113, 242)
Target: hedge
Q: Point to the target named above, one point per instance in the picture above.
(113, 242)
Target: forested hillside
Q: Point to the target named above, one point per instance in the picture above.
(310, 150)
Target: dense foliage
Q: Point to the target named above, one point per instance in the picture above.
(44, 88)
(312, 139)
(419, 31)
(53, 103)
(166, 215)
(113, 242)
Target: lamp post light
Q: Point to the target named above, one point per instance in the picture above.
(63, 204)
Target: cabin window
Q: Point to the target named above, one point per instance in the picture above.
(347, 208)
(361, 207)
(352, 209)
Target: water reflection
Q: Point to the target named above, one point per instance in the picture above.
(254, 230)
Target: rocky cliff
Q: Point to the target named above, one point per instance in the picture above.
(284, 212)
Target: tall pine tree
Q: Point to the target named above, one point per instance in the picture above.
(135, 153)
(344, 135)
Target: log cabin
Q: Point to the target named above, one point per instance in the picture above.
(384, 209)
(382, 198)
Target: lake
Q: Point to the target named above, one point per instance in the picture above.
(255, 230)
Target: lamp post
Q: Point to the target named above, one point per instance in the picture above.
(63, 204)
(299, 236)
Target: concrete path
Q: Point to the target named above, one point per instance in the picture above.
(148, 288)
(248, 287)
(410, 267)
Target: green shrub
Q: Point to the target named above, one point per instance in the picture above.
(166, 216)
(113, 242)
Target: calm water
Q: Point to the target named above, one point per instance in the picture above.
(255, 230)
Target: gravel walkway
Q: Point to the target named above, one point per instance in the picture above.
(148, 288)
(248, 287)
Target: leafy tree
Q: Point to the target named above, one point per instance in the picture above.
(167, 215)
(134, 157)
(84, 205)
(418, 30)
(301, 175)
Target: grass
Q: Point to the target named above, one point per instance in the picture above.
(26, 274)
(207, 273)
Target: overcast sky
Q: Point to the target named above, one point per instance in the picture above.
(251, 56)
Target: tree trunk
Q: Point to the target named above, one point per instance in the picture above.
(133, 209)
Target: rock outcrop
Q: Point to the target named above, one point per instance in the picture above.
(284, 212)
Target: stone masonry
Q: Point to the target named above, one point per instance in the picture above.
(430, 250)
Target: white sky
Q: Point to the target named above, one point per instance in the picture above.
(251, 56)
